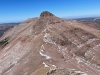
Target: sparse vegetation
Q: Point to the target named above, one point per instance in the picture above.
(4, 42)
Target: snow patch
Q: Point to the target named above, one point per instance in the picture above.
(74, 42)
(81, 73)
(81, 45)
(95, 47)
(26, 73)
(46, 56)
(88, 42)
(45, 65)
(54, 66)
(65, 49)
(42, 54)
(84, 74)
(78, 59)
(93, 66)
(47, 38)
(91, 40)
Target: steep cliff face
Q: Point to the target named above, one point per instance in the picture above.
(47, 45)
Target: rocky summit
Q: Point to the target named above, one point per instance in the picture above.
(46, 14)
(49, 45)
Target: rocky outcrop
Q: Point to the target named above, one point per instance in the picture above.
(46, 14)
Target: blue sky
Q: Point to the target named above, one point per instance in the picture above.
(20, 10)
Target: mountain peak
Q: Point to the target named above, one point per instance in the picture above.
(46, 14)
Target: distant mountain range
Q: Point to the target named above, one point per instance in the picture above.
(91, 22)
(9, 23)
(87, 18)
(6, 26)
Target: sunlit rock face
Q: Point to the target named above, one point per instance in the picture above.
(50, 46)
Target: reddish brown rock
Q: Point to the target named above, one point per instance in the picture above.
(41, 45)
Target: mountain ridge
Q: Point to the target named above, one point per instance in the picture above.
(45, 45)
